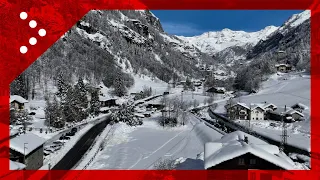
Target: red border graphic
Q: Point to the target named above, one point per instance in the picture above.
(58, 16)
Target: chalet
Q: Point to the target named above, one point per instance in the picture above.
(269, 106)
(218, 90)
(238, 111)
(107, 101)
(240, 151)
(285, 114)
(257, 112)
(105, 110)
(299, 107)
(197, 83)
(284, 68)
(17, 102)
(27, 149)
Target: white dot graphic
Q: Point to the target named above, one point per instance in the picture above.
(42, 32)
(33, 24)
(23, 15)
(33, 41)
(23, 49)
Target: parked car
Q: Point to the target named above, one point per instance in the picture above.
(70, 134)
(74, 130)
(49, 149)
(273, 124)
(46, 153)
(58, 142)
(56, 147)
(64, 138)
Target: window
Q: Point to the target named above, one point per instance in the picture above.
(241, 161)
(252, 161)
(257, 118)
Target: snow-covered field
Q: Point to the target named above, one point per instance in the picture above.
(158, 86)
(143, 146)
(281, 90)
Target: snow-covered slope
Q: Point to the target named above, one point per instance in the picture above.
(216, 41)
(294, 21)
(104, 45)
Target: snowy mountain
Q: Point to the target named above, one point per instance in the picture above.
(294, 21)
(104, 45)
(293, 37)
(216, 41)
(290, 44)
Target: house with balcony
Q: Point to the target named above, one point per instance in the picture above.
(238, 111)
(17, 103)
(284, 68)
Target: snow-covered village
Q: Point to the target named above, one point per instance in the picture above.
(119, 92)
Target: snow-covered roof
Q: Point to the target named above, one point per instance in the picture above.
(241, 104)
(18, 143)
(255, 106)
(16, 165)
(300, 105)
(104, 108)
(221, 88)
(106, 98)
(139, 115)
(288, 111)
(232, 145)
(292, 111)
(266, 105)
(18, 99)
(281, 110)
(287, 65)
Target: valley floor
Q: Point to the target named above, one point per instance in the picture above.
(142, 147)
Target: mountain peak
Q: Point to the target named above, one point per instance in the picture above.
(216, 41)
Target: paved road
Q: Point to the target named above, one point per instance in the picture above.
(78, 150)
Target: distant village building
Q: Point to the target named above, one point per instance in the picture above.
(198, 83)
(257, 112)
(107, 101)
(240, 151)
(238, 111)
(252, 112)
(285, 114)
(284, 68)
(28, 150)
(299, 107)
(217, 90)
(17, 102)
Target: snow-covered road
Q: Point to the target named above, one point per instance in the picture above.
(141, 147)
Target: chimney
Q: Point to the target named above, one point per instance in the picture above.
(246, 139)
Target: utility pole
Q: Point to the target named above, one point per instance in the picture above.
(284, 134)
(249, 118)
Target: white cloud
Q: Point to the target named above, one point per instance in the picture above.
(181, 29)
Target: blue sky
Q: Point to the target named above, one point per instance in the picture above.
(196, 22)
